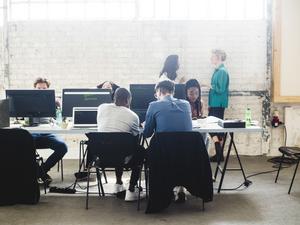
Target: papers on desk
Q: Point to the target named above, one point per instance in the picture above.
(205, 122)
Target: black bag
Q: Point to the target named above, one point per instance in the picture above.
(18, 168)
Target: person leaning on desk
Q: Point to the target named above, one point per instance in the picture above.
(45, 141)
(168, 114)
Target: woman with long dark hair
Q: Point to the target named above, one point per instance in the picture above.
(169, 70)
(193, 95)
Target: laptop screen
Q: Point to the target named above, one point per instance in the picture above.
(85, 117)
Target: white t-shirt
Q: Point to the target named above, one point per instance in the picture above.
(112, 118)
(177, 80)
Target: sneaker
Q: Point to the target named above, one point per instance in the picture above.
(215, 158)
(119, 188)
(180, 197)
(134, 195)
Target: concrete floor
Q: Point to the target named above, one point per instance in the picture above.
(264, 202)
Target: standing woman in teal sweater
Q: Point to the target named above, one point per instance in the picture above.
(218, 97)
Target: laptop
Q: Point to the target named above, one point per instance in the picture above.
(85, 117)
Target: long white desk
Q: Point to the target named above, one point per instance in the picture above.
(208, 128)
(200, 127)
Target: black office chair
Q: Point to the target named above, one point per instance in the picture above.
(18, 168)
(109, 150)
(290, 152)
(177, 159)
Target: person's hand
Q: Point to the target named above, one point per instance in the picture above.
(143, 124)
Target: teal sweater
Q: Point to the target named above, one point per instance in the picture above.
(218, 94)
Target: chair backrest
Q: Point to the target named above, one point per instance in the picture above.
(18, 167)
(177, 159)
(179, 152)
(111, 148)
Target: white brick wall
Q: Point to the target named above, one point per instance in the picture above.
(83, 54)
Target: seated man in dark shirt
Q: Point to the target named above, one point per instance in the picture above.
(45, 141)
(168, 114)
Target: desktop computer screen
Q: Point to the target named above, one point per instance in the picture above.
(31, 103)
(76, 97)
(143, 94)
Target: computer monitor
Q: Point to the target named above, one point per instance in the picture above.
(31, 103)
(143, 94)
(79, 97)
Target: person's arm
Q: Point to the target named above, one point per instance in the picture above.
(99, 112)
(135, 130)
(150, 122)
(221, 82)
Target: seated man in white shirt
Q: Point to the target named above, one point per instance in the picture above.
(117, 117)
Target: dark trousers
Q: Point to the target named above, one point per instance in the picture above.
(45, 141)
(134, 164)
(219, 113)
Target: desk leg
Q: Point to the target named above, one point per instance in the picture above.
(218, 163)
(226, 162)
(238, 157)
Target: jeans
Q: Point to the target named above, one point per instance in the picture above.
(43, 141)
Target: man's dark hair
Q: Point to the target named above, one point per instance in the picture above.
(165, 86)
(41, 80)
(122, 97)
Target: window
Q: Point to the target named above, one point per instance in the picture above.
(136, 9)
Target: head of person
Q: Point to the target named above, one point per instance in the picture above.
(218, 57)
(193, 91)
(164, 88)
(122, 97)
(41, 83)
(170, 68)
(108, 85)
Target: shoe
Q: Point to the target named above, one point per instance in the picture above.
(215, 158)
(47, 178)
(180, 197)
(119, 188)
(134, 195)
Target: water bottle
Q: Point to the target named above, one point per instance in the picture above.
(58, 116)
(248, 117)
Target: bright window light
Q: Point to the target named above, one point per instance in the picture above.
(179, 9)
(113, 10)
(128, 10)
(57, 11)
(146, 9)
(235, 9)
(254, 9)
(162, 9)
(198, 9)
(38, 11)
(136, 9)
(217, 10)
(19, 11)
(95, 10)
(75, 11)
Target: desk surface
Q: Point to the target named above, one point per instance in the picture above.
(207, 128)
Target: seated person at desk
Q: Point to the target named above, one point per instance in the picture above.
(168, 114)
(109, 85)
(44, 141)
(117, 117)
(193, 95)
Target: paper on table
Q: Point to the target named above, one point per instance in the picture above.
(205, 122)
